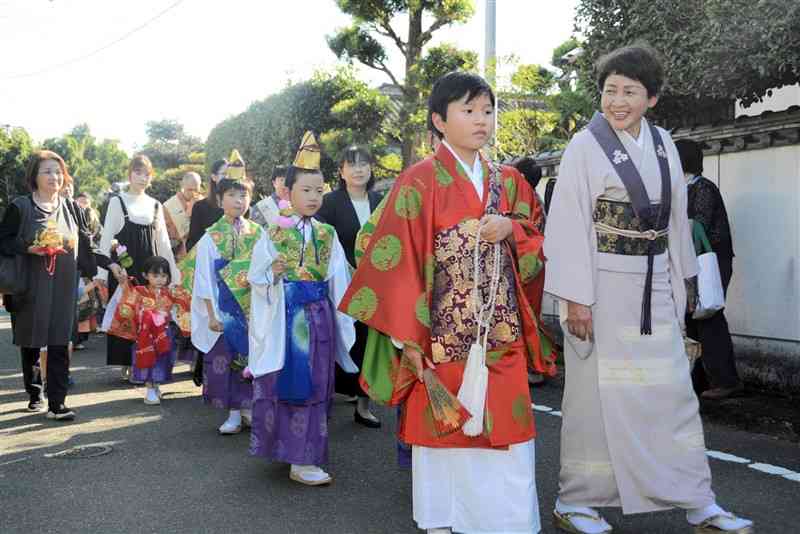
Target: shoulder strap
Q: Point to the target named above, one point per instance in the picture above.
(625, 168)
(155, 213)
(122, 205)
(666, 183)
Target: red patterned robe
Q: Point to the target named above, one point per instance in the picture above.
(415, 282)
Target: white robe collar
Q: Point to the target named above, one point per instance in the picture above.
(474, 171)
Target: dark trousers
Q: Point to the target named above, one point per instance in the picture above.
(347, 383)
(57, 373)
(31, 373)
(718, 369)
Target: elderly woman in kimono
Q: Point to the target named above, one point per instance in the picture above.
(620, 259)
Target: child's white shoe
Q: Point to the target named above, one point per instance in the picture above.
(310, 475)
(151, 397)
(233, 425)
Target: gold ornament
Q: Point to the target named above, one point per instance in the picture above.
(308, 154)
(235, 166)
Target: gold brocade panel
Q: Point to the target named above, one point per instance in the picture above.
(453, 325)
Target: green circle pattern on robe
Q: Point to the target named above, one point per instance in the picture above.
(430, 269)
(521, 411)
(529, 266)
(523, 208)
(363, 304)
(488, 423)
(511, 190)
(422, 310)
(387, 252)
(408, 203)
(442, 176)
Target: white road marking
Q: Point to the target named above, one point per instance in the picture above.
(15, 461)
(772, 469)
(725, 457)
(541, 408)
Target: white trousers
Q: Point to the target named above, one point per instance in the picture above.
(476, 491)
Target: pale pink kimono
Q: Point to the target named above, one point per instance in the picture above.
(631, 433)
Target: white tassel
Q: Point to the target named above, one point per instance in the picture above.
(475, 382)
(472, 393)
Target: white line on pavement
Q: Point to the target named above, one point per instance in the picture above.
(771, 469)
(725, 457)
(15, 461)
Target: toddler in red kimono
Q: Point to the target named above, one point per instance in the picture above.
(149, 311)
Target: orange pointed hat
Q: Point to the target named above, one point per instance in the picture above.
(308, 154)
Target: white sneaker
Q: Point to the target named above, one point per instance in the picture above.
(233, 425)
(151, 397)
(310, 475)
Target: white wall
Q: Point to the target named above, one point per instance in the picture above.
(761, 190)
(780, 100)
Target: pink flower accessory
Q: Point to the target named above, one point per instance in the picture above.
(284, 222)
(159, 318)
(284, 205)
(247, 373)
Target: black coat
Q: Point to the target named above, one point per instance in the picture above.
(338, 211)
(204, 214)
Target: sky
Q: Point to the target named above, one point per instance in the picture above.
(66, 62)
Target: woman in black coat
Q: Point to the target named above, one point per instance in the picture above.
(43, 315)
(347, 209)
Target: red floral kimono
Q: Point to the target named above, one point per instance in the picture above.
(414, 283)
(143, 315)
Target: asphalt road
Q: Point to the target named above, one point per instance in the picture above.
(169, 470)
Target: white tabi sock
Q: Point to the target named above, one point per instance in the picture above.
(724, 521)
(234, 417)
(584, 524)
(310, 473)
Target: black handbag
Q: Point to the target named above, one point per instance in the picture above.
(13, 271)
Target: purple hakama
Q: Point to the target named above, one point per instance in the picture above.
(298, 433)
(222, 387)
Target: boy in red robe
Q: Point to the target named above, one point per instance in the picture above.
(453, 273)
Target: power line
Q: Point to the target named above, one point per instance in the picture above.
(97, 51)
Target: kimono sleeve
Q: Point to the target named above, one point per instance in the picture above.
(527, 216)
(680, 212)
(568, 242)
(390, 291)
(338, 281)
